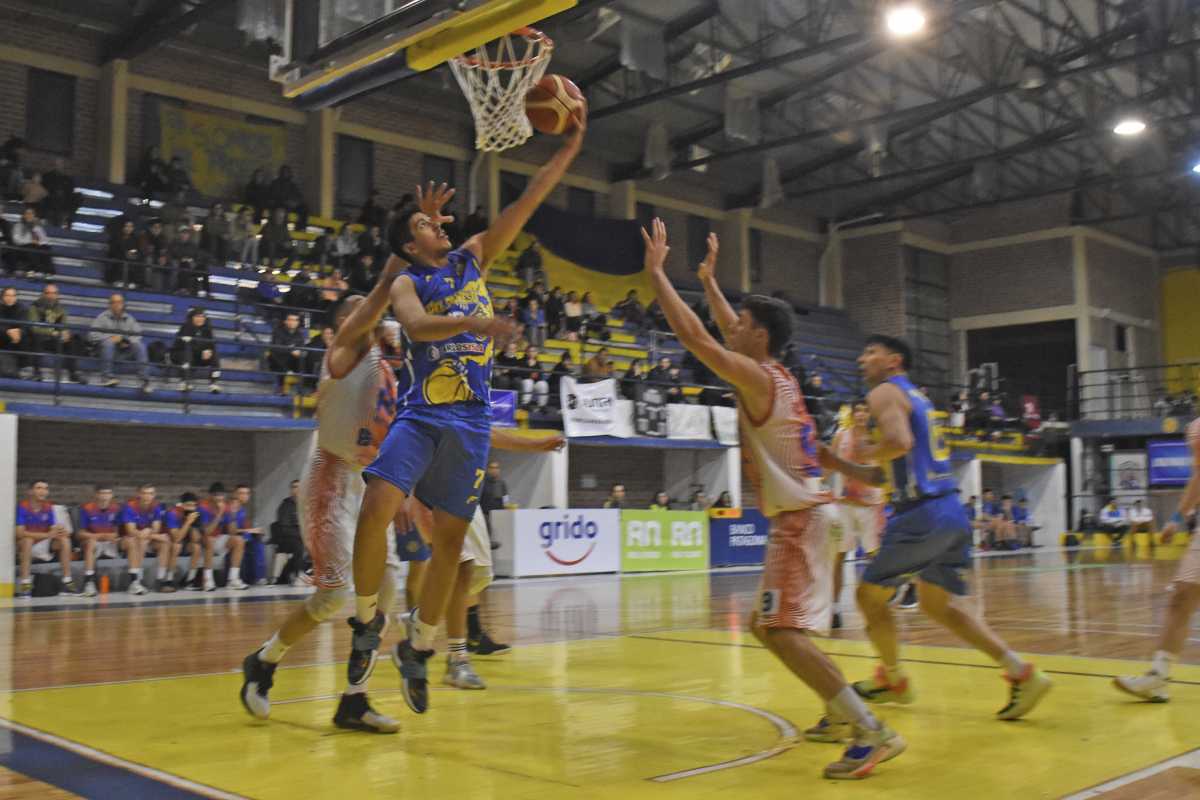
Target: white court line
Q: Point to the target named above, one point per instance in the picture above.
(102, 757)
(1190, 759)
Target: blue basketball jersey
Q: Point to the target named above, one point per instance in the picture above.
(458, 369)
(925, 469)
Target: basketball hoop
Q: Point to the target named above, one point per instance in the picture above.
(496, 78)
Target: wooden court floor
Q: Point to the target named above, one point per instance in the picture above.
(635, 687)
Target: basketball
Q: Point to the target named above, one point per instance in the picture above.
(553, 104)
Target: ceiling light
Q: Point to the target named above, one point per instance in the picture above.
(1129, 126)
(1196, 168)
(905, 20)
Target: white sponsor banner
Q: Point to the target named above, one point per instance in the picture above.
(623, 425)
(588, 409)
(688, 422)
(557, 541)
(725, 423)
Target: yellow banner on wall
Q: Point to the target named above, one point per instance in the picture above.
(220, 153)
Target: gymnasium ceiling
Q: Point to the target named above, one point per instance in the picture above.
(995, 102)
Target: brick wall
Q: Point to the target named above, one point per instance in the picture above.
(790, 265)
(639, 468)
(873, 283)
(1122, 280)
(1014, 278)
(73, 457)
(1013, 218)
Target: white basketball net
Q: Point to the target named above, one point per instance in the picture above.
(496, 79)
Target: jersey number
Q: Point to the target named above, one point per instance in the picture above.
(937, 439)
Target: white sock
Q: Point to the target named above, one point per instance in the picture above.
(422, 632)
(162, 573)
(457, 649)
(272, 650)
(1014, 667)
(1161, 665)
(67, 579)
(89, 573)
(235, 573)
(365, 607)
(191, 575)
(847, 706)
(208, 576)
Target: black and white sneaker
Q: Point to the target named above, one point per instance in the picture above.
(486, 646)
(257, 679)
(89, 586)
(355, 713)
(909, 598)
(414, 675)
(69, 587)
(364, 647)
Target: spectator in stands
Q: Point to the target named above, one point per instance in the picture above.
(14, 334)
(155, 250)
(321, 252)
(979, 415)
(345, 247)
(595, 323)
(989, 517)
(630, 309)
(616, 496)
(285, 535)
(286, 353)
(371, 242)
(34, 193)
(534, 320)
(506, 374)
(175, 214)
(332, 289)
(572, 317)
(996, 417)
(598, 367)
(661, 373)
(191, 276)
(632, 381)
(142, 531)
(47, 315)
(969, 508)
(536, 291)
(674, 387)
(315, 357)
(814, 398)
(37, 533)
(554, 312)
(662, 502)
(529, 264)
(565, 366)
(1141, 518)
(268, 294)
(116, 332)
(62, 201)
(303, 291)
(372, 213)
(99, 523)
(182, 526)
(178, 179)
(258, 195)
(195, 351)
(243, 237)
(655, 318)
(277, 241)
(1113, 521)
(1021, 521)
(240, 527)
(362, 276)
(534, 386)
(699, 501)
(724, 500)
(960, 409)
(6, 243)
(124, 250)
(215, 235)
(507, 308)
(215, 521)
(287, 195)
(1004, 528)
(152, 176)
(12, 153)
(494, 493)
(33, 245)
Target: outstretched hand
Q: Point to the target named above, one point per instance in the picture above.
(432, 200)
(549, 443)
(656, 247)
(708, 266)
(575, 138)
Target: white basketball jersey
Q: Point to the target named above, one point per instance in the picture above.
(355, 412)
(782, 448)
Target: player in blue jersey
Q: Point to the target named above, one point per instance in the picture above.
(437, 446)
(928, 536)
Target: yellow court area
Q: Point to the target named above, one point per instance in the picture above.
(707, 713)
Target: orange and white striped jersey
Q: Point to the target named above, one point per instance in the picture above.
(781, 448)
(355, 412)
(846, 444)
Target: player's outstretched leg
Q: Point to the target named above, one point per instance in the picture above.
(354, 711)
(889, 684)
(381, 502)
(1152, 685)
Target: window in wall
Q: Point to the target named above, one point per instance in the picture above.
(646, 214)
(697, 240)
(437, 169)
(928, 320)
(512, 184)
(50, 118)
(581, 201)
(355, 166)
(756, 255)
(1122, 338)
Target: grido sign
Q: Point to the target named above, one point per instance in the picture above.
(556, 541)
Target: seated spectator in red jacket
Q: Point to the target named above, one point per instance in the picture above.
(37, 533)
(99, 531)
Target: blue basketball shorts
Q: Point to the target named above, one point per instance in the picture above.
(931, 541)
(439, 454)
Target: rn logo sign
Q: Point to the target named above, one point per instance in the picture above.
(663, 540)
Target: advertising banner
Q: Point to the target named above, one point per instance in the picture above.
(1127, 472)
(725, 423)
(588, 409)
(654, 541)
(650, 412)
(1170, 463)
(738, 541)
(556, 541)
(504, 408)
(686, 421)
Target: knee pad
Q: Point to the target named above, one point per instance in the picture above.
(325, 604)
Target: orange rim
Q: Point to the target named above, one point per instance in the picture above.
(527, 33)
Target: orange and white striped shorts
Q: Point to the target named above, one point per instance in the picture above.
(797, 581)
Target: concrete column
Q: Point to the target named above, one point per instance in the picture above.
(113, 122)
(622, 200)
(490, 175)
(319, 160)
(740, 220)
(1083, 310)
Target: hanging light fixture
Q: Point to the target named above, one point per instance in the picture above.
(905, 19)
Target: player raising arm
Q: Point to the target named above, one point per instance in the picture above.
(780, 437)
